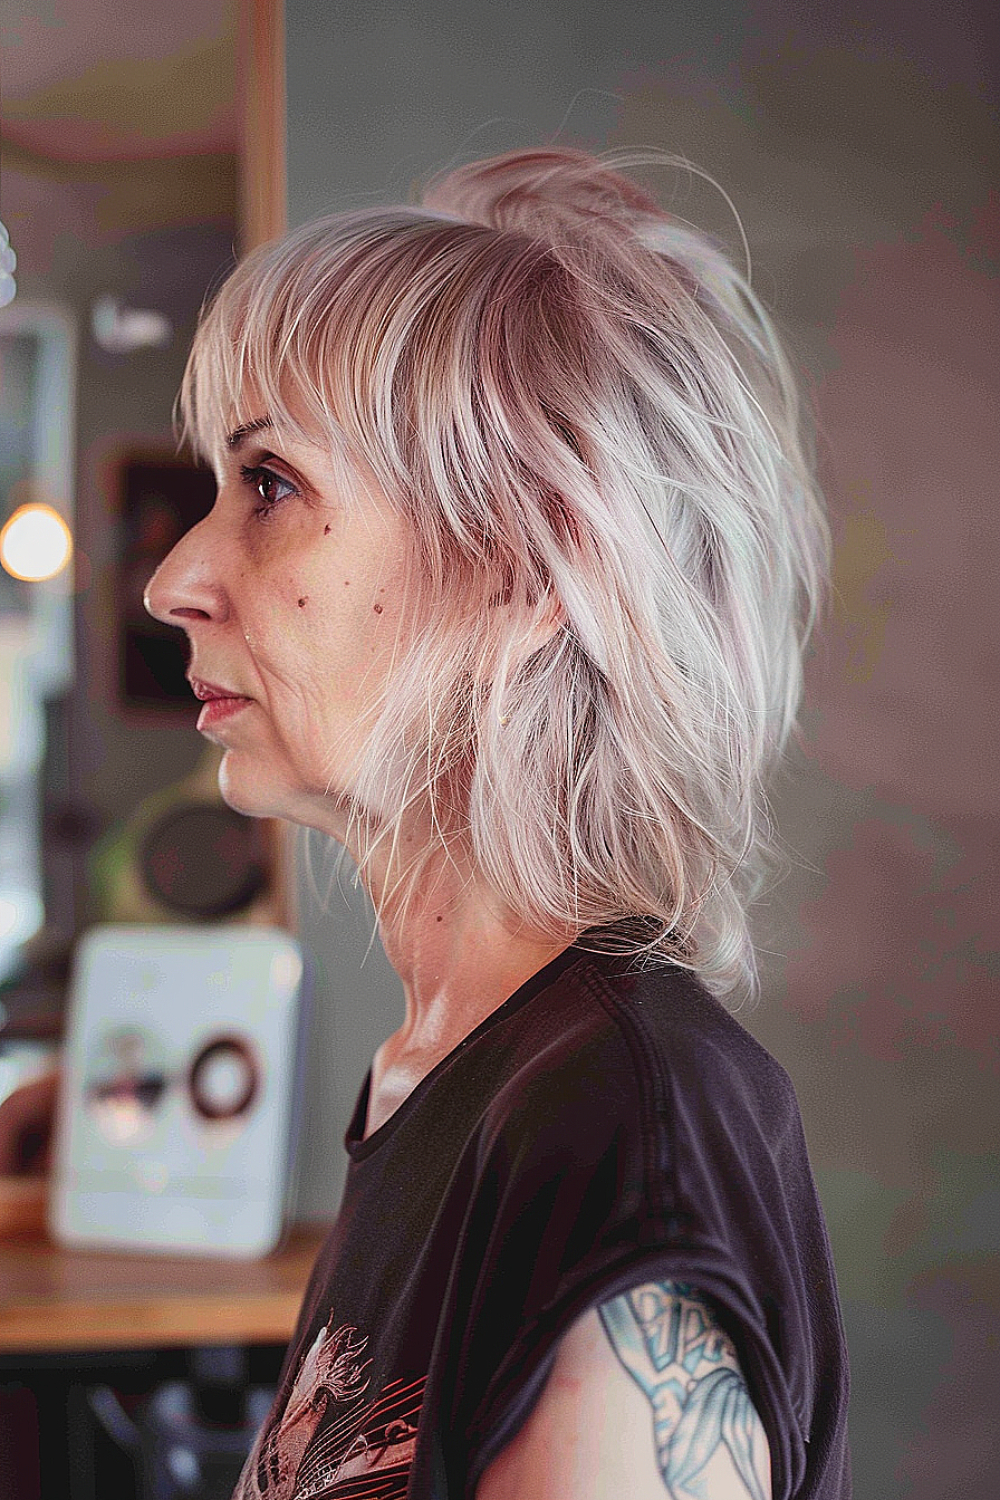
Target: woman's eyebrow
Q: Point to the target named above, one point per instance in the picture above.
(238, 434)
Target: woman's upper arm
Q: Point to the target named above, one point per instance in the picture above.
(646, 1398)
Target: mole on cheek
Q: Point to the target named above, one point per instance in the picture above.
(326, 531)
(303, 601)
(378, 609)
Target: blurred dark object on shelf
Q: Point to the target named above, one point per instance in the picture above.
(203, 860)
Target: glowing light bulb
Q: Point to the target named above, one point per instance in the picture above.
(35, 543)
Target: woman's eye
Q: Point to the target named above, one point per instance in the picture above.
(269, 486)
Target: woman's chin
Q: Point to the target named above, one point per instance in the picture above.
(250, 790)
(248, 793)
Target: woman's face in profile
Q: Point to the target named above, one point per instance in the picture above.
(291, 601)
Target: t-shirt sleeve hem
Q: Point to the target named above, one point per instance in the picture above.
(518, 1383)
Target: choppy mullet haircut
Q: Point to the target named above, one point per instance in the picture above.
(580, 406)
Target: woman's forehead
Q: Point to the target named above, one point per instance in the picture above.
(235, 423)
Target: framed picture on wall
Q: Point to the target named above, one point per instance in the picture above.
(160, 499)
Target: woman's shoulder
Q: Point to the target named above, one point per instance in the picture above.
(612, 1047)
(680, 1029)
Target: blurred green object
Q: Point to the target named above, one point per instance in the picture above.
(182, 853)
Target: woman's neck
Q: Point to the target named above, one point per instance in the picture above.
(459, 958)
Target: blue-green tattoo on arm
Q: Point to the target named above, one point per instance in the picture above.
(665, 1335)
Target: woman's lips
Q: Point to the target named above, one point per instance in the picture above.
(216, 710)
(220, 703)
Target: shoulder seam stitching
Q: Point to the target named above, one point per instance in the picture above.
(654, 1115)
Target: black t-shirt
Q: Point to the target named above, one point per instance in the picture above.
(601, 1128)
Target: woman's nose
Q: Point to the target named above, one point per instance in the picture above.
(186, 585)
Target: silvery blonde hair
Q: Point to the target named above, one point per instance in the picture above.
(585, 414)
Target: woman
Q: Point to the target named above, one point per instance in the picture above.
(506, 588)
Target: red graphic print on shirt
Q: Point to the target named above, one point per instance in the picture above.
(331, 1441)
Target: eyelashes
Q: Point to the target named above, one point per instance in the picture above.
(260, 479)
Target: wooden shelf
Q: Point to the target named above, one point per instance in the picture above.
(55, 1299)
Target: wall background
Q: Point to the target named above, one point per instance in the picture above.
(858, 147)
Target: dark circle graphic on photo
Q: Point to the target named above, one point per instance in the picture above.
(224, 1078)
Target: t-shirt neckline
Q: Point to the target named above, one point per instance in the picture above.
(358, 1148)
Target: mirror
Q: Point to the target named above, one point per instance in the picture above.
(137, 161)
(37, 390)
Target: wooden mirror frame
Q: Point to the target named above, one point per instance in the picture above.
(263, 206)
(261, 105)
